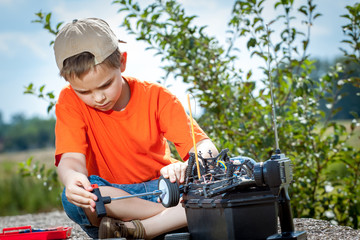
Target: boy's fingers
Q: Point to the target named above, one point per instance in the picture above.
(182, 175)
(179, 172)
(85, 206)
(172, 174)
(169, 172)
(175, 172)
(83, 192)
(84, 203)
(164, 173)
(84, 181)
(87, 186)
(81, 197)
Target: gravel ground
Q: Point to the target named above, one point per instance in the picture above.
(44, 220)
(316, 229)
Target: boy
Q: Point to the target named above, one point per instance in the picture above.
(113, 130)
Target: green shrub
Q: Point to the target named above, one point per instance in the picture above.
(237, 110)
(26, 194)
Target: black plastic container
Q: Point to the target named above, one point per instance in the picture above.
(241, 214)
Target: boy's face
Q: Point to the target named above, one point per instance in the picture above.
(101, 87)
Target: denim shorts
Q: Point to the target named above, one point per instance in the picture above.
(78, 215)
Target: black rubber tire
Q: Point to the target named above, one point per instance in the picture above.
(172, 189)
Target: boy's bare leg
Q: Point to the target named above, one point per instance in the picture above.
(125, 209)
(168, 220)
(156, 219)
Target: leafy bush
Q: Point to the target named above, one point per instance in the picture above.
(237, 107)
(48, 176)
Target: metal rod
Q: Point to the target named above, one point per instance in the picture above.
(271, 93)
(156, 192)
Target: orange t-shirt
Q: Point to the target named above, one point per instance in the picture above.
(128, 146)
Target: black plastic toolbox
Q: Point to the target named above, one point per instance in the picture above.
(241, 214)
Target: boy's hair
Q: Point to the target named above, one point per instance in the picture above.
(81, 63)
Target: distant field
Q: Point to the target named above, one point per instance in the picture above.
(42, 155)
(354, 141)
(9, 161)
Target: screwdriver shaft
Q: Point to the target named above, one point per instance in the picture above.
(156, 192)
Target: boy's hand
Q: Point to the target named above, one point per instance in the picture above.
(78, 191)
(175, 172)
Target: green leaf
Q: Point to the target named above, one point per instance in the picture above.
(29, 161)
(251, 43)
(50, 107)
(48, 16)
(50, 95)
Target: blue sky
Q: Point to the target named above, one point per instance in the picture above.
(26, 57)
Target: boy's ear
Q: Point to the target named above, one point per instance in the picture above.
(123, 58)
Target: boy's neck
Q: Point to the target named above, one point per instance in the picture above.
(124, 97)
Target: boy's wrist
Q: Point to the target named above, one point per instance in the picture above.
(67, 177)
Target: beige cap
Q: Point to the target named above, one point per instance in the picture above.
(86, 35)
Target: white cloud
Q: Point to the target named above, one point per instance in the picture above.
(13, 42)
(4, 39)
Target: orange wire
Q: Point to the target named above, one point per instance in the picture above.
(193, 137)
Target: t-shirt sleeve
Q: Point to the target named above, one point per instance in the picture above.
(175, 124)
(70, 129)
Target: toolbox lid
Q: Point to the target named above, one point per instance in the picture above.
(229, 200)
